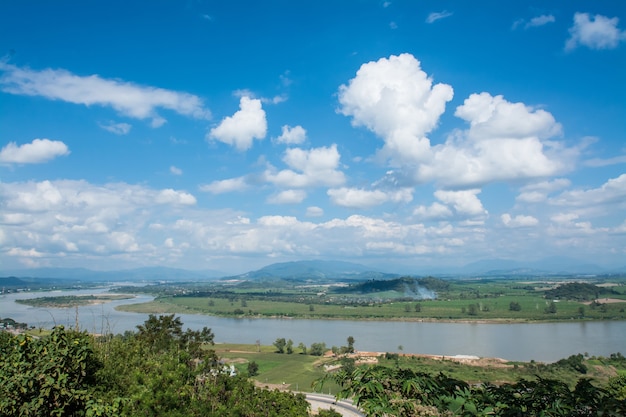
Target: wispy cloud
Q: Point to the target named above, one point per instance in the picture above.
(602, 162)
(434, 16)
(129, 99)
(116, 128)
(536, 21)
(544, 19)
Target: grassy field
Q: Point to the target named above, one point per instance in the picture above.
(284, 371)
(533, 308)
(298, 372)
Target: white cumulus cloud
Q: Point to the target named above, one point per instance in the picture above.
(611, 192)
(288, 197)
(36, 152)
(597, 32)
(314, 211)
(359, 198)
(518, 221)
(225, 186)
(464, 202)
(308, 168)
(129, 99)
(505, 141)
(240, 129)
(436, 211)
(292, 135)
(395, 99)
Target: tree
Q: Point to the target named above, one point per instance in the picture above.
(302, 347)
(289, 347)
(551, 308)
(317, 349)
(350, 341)
(472, 310)
(253, 368)
(280, 344)
(50, 376)
(418, 307)
(515, 306)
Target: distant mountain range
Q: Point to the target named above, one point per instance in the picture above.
(138, 274)
(314, 270)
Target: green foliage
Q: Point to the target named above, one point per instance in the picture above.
(50, 376)
(328, 413)
(317, 349)
(160, 370)
(253, 368)
(617, 387)
(280, 344)
(400, 392)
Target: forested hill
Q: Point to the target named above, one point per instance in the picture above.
(579, 291)
(403, 285)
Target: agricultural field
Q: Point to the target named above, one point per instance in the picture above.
(399, 299)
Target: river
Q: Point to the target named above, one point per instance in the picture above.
(542, 342)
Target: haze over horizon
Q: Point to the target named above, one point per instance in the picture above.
(233, 135)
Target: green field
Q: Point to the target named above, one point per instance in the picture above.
(65, 301)
(469, 301)
(298, 372)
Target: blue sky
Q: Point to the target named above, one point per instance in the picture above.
(231, 135)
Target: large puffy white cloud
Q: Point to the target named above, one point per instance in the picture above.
(394, 98)
(493, 117)
(240, 129)
(38, 151)
(505, 141)
(308, 168)
(129, 99)
(597, 32)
